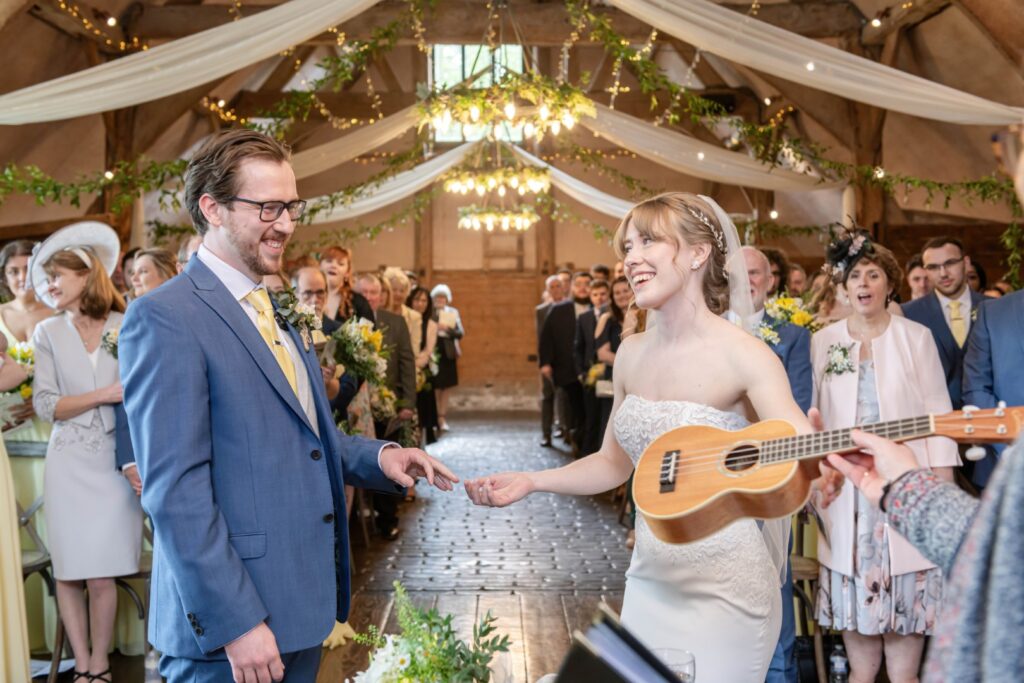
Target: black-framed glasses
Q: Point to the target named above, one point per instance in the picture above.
(272, 210)
(948, 265)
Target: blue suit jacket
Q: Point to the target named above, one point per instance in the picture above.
(247, 502)
(994, 364)
(928, 311)
(794, 350)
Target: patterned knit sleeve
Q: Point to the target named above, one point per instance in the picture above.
(932, 514)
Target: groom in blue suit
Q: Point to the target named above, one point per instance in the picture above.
(794, 350)
(994, 365)
(243, 467)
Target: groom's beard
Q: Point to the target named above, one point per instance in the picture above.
(585, 301)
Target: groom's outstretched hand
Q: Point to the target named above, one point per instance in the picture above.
(404, 465)
(254, 657)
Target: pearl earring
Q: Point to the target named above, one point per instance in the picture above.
(694, 266)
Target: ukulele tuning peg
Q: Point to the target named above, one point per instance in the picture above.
(1001, 409)
(975, 453)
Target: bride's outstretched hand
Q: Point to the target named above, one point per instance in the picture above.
(499, 490)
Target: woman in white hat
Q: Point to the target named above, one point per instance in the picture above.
(93, 517)
(449, 332)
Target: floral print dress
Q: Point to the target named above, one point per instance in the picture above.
(872, 601)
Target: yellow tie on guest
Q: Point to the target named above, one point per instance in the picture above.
(957, 324)
(265, 322)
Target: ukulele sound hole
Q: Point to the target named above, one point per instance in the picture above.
(742, 458)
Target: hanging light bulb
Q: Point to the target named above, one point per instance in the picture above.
(474, 113)
(522, 190)
(490, 223)
(514, 181)
(528, 130)
(510, 111)
(471, 183)
(879, 172)
(476, 223)
(568, 121)
(556, 127)
(773, 214)
(491, 183)
(544, 112)
(501, 190)
(505, 223)
(480, 190)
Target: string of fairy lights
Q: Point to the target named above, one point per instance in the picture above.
(96, 30)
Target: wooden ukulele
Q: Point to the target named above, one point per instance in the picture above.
(692, 481)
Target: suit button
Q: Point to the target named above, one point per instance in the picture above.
(199, 630)
(315, 455)
(329, 517)
(191, 617)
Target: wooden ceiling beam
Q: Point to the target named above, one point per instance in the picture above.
(105, 38)
(1003, 22)
(542, 24)
(901, 17)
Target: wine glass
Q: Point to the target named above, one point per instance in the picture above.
(680, 662)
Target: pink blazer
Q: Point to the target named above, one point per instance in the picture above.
(910, 382)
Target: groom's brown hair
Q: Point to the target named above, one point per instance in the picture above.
(213, 169)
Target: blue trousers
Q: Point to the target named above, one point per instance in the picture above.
(783, 666)
(299, 667)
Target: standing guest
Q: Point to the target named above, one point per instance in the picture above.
(414, 280)
(555, 291)
(244, 484)
(830, 304)
(188, 249)
(557, 356)
(993, 293)
(397, 287)
(565, 274)
(618, 271)
(780, 270)
(449, 332)
(18, 320)
(609, 336)
(274, 282)
(815, 285)
(977, 280)
(873, 367)
(122, 276)
(585, 355)
(796, 283)
(599, 271)
(1003, 286)
(917, 278)
(792, 344)
(342, 301)
(949, 309)
(93, 518)
(400, 378)
(994, 366)
(426, 403)
(152, 268)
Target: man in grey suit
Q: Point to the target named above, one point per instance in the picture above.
(994, 366)
(556, 292)
(400, 378)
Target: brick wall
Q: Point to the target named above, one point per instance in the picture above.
(495, 370)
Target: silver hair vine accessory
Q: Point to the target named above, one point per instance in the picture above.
(706, 222)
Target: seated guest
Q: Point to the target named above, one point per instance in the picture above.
(917, 278)
(796, 283)
(152, 268)
(343, 301)
(949, 309)
(977, 544)
(449, 332)
(426, 403)
(873, 367)
(994, 366)
(400, 379)
(93, 519)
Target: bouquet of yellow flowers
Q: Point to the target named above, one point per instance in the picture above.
(383, 403)
(596, 372)
(359, 348)
(24, 356)
(789, 309)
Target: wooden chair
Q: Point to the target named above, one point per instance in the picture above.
(36, 560)
(805, 587)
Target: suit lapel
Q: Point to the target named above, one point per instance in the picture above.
(943, 335)
(215, 295)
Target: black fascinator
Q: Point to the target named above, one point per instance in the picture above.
(844, 251)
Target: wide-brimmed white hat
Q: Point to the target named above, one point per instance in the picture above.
(99, 238)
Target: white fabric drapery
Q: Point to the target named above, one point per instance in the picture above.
(767, 48)
(577, 189)
(694, 157)
(402, 185)
(178, 65)
(336, 152)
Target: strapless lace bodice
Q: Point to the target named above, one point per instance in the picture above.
(735, 558)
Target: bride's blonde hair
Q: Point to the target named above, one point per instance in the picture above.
(683, 216)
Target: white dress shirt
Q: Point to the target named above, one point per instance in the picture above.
(965, 307)
(240, 286)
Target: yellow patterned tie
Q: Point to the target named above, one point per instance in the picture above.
(265, 322)
(957, 324)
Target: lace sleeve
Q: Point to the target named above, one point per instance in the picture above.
(932, 514)
(45, 391)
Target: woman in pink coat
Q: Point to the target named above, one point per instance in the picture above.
(873, 367)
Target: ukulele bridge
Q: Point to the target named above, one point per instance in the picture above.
(669, 461)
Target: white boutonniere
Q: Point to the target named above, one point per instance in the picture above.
(301, 316)
(768, 334)
(839, 361)
(109, 341)
(974, 314)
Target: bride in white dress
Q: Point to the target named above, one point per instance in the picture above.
(718, 597)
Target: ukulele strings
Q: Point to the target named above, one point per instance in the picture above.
(709, 459)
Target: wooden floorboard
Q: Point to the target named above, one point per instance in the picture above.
(507, 612)
(546, 638)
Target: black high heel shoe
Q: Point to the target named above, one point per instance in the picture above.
(76, 674)
(105, 676)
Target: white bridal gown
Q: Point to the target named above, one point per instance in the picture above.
(718, 597)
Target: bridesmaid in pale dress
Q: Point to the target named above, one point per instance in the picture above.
(93, 517)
